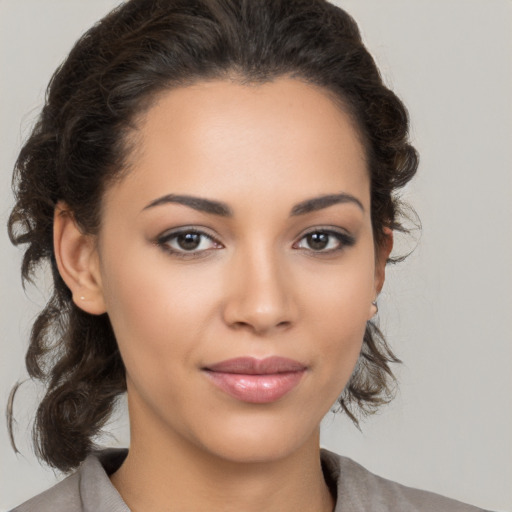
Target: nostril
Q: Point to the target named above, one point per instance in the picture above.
(240, 325)
(259, 304)
(256, 327)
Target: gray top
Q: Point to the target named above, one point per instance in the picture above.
(357, 490)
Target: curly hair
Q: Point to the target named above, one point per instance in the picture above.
(79, 146)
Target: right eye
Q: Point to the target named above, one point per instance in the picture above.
(187, 242)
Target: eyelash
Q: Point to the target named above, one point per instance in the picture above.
(344, 240)
(164, 240)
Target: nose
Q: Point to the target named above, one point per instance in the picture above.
(259, 297)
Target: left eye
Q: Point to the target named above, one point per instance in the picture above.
(189, 241)
(324, 241)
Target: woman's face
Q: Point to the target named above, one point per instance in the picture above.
(242, 230)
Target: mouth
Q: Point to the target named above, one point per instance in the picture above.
(257, 381)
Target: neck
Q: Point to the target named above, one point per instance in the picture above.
(174, 474)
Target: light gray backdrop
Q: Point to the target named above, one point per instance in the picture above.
(447, 310)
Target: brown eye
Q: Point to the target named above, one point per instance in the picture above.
(188, 241)
(325, 241)
(318, 241)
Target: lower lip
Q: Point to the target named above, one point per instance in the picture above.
(256, 389)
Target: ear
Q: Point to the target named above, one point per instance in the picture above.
(382, 253)
(78, 262)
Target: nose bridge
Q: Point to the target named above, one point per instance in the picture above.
(260, 292)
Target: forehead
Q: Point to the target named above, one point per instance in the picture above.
(227, 139)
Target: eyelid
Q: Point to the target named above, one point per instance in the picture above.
(163, 239)
(345, 239)
(186, 229)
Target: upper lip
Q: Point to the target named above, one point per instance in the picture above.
(254, 366)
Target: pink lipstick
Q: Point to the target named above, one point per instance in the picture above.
(257, 381)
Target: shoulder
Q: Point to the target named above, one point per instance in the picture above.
(88, 489)
(359, 489)
(63, 496)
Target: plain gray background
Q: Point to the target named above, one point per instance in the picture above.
(446, 310)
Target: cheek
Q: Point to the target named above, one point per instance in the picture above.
(339, 307)
(339, 354)
(157, 312)
(340, 295)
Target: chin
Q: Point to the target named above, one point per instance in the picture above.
(258, 441)
(260, 452)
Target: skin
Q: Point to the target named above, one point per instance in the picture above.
(256, 288)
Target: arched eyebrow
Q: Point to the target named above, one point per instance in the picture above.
(197, 203)
(321, 202)
(223, 210)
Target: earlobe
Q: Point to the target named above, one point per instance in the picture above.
(77, 260)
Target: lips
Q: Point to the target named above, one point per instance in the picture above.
(254, 380)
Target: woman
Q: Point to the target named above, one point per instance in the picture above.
(214, 185)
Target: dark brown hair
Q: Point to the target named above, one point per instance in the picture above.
(78, 146)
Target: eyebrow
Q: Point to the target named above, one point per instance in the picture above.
(197, 203)
(223, 210)
(320, 202)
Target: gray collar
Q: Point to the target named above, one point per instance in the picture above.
(96, 489)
